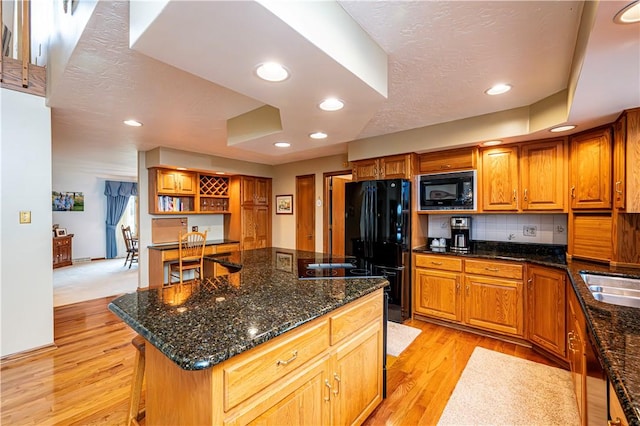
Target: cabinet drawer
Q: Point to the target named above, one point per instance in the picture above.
(493, 269)
(348, 321)
(446, 263)
(227, 248)
(260, 367)
(169, 255)
(58, 243)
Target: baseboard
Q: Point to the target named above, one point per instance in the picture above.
(7, 359)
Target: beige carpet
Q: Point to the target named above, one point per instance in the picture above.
(500, 389)
(399, 337)
(93, 280)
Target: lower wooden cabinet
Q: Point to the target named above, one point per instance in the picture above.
(62, 249)
(616, 413)
(494, 304)
(437, 293)
(326, 372)
(484, 294)
(576, 351)
(546, 308)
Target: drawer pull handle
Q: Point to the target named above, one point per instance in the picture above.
(492, 269)
(337, 380)
(573, 192)
(616, 422)
(328, 385)
(618, 190)
(436, 263)
(294, 355)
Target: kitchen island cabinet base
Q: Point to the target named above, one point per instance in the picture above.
(339, 384)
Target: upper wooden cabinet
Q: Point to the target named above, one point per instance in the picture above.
(392, 167)
(526, 177)
(175, 191)
(590, 181)
(543, 175)
(626, 157)
(175, 182)
(255, 190)
(499, 179)
(445, 161)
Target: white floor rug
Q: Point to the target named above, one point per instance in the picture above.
(399, 337)
(500, 389)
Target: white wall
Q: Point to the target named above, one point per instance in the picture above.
(284, 182)
(88, 226)
(26, 278)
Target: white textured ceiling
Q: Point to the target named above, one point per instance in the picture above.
(441, 57)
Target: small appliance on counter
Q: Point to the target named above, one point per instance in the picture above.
(461, 234)
(438, 245)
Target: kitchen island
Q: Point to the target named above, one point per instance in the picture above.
(254, 342)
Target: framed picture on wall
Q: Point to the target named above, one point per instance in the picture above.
(67, 201)
(61, 232)
(284, 204)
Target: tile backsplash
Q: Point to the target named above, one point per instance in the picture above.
(515, 228)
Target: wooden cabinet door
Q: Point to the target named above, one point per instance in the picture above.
(395, 167)
(262, 189)
(445, 161)
(576, 351)
(248, 190)
(365, 169)
(357, 377)
(546, 308)
(631, 179)
(304, 400)
(494, 304)
(500, 179)
(248, 239)
(262, 221)
(175, 182)
(619, 153)
(590, 183)
(543, 175)
(437, 294)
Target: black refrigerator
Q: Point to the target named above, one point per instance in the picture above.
(378, 230)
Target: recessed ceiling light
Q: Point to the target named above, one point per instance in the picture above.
(132, 123)
(498, 89)
(331, 104)
(491, 143)
(181, 168)
(629, 14)
(318, 135)
(220, 173)
(282, 144)
(272, 71)
(562, 128)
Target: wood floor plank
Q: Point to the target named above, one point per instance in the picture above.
(86, 379)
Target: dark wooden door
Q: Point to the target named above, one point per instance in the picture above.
(305, 212)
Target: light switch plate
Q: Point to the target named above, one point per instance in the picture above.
(25, 216)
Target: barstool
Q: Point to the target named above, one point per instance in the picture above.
(135, 414)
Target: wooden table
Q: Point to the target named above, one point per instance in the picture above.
(162, 254)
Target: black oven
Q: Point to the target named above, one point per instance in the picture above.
(447, 191)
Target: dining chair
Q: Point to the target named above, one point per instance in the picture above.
(132, 245)
(190, 255)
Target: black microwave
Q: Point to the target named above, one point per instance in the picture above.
(448, 191)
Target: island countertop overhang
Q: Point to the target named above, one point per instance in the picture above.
(199, 325)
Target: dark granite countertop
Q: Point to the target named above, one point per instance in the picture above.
(616, 329)
(200, 325)
(174, 246)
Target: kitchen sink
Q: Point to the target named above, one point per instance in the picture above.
(615, 290)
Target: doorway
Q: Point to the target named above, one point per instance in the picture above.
(305, 213)
(333, 217)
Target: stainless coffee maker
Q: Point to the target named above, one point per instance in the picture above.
(460, 234)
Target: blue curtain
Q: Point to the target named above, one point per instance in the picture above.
(118, 194)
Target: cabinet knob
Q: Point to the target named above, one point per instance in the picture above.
(616, 422)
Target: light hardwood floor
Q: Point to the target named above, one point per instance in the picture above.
(86, 379)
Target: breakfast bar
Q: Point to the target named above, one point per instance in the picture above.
(258, 343)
